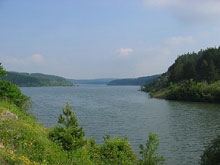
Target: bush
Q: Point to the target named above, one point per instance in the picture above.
(12, 93)
(211, 155)
(190, 90)
(117, 151)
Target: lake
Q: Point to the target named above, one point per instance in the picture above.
(183, 128)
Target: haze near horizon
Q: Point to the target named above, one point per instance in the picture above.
(100, 39)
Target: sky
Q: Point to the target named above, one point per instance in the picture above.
(85, 39)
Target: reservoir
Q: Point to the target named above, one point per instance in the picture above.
(183, 128)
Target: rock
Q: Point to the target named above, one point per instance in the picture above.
(7, 115)
(1, 146)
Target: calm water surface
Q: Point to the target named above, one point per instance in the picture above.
(183, 128)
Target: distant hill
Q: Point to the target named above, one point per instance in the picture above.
(103, 81)
(134, 81)
(35, 79)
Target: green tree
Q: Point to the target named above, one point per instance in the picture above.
(148, 153)
(71, 136)
(189, 71)
(212, 74)
(68, 119)
(2, 71)
(176, 73)
(12, 93)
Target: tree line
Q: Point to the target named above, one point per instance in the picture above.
(201, 66)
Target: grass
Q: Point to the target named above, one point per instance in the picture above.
(25, 141)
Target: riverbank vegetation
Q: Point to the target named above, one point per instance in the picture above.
(193, 77)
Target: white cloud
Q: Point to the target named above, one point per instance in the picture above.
(189, 10)
(125, 51)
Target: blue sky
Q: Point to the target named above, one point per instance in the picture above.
(104, 38)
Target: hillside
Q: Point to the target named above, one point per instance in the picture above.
(30, 143)
(35, 79)
(192, 77)
(134, 81)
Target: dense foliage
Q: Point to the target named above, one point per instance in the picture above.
(159, 83)
(11, 92)
(134, 81)
(211, 155)
(35, 79)
(201, 66)
(117, 151)
(190, 90)
(193, 77)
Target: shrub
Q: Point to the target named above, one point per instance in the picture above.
(12, 93)
(211, 155)
(117, 151)
(148, 152)
(190, 90)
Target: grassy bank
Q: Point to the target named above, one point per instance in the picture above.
(25, 141)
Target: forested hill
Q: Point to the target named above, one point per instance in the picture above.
(192, 77)
(35, 79)
(201, 66)
(134, 81)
